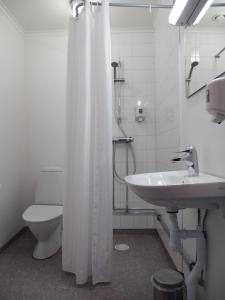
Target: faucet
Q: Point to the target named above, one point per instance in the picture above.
(191, 158)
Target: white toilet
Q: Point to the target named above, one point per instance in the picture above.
(44, 218)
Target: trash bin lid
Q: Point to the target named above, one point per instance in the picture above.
(168, 278)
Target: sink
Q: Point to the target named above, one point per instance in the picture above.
(177, 190)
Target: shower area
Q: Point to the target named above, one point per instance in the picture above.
(134, 128)
(146, 122)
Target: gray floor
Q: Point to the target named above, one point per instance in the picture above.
(23, 278)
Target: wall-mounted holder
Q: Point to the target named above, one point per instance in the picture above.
(140, 112)
(139, 116)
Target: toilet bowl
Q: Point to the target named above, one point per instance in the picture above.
(45, 222)
(44, 218)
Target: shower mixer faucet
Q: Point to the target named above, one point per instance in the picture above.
(191, 158)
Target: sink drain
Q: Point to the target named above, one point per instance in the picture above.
(122, 247)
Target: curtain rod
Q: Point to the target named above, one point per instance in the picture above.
(134, 5)
(118, 4)
(143, 5)
(147, 5)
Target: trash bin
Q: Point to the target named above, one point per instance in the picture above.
(168, 285)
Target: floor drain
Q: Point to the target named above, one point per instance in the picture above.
(122, 247)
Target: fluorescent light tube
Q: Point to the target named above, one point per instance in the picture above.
(176, 11)
(188, 12)
(203, 11)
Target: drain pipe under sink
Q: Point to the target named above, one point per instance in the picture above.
(176, 237)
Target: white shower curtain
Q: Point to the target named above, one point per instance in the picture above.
(87, 228)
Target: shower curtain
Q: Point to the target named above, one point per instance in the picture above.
(87, 228)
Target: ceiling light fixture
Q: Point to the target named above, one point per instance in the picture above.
(176, 11)
(188, 12)
(203, 11)
(218, 18)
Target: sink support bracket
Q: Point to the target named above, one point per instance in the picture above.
(176, 237)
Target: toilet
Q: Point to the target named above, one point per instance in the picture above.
(44, 218)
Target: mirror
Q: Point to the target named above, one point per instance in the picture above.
(205, 50)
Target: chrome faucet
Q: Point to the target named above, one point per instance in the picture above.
(191, 158)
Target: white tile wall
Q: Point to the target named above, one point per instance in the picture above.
(167, 96)
(135, 50)
(167, 108)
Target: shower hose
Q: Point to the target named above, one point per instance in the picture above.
(117, 116)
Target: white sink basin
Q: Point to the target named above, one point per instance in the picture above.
(178, 191)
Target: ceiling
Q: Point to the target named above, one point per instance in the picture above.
(39, 15)
(207, 19)
(46, 15)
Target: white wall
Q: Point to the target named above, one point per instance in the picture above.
(12, 128)
(45, 75)
(135, 50)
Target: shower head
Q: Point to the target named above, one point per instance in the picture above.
(193, 65)
(114, 64)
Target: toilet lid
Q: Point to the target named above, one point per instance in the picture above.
(41, 213)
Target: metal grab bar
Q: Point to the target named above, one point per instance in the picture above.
(123, 140)
(218, 54)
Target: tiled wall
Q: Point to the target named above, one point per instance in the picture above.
(167, 104)
(167, 108)
(135, 50)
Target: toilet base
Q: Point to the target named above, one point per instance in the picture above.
(46, 249)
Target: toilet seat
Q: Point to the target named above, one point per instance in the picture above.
(42, 213)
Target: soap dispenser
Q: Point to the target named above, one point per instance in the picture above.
(140, 112)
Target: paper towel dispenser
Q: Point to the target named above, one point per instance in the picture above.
(215, 99)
